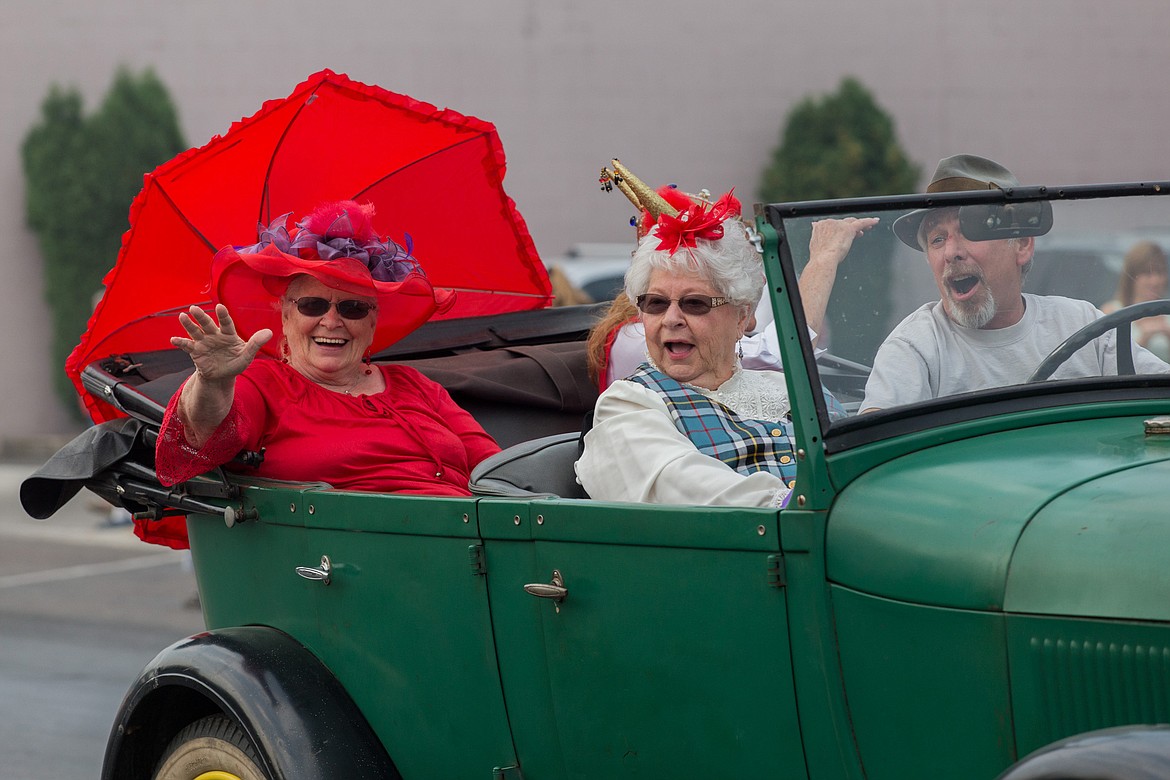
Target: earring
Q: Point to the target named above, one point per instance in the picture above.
(285, 354)
(366, 360)
(739, 348)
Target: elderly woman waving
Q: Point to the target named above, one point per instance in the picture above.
(690, 425)
(310, 399)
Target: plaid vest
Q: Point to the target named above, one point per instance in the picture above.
(748, 446)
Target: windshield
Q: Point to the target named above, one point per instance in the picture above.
(963, 302)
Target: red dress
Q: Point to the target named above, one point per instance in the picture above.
(409, 438)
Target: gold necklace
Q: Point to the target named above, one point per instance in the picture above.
(349, 390)
(362, 375)
(343, 390)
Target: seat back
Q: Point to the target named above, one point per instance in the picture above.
(539, 467)
(518, 393)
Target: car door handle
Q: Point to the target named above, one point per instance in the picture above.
(324, 575)
(554, 590)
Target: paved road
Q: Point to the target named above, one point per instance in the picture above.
(82, 609)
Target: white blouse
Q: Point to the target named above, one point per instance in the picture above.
(635, 453)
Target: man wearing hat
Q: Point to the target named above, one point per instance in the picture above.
(985, 331)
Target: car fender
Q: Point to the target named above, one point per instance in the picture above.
(300, 719)
(1098, 550)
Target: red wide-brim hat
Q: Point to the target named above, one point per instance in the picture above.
(250, 285)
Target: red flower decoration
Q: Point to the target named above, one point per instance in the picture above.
(672, 195)
(699, 220)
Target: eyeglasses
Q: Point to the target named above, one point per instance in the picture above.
(696, 305)
(317, 307)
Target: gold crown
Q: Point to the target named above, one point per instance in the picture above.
(643, 198)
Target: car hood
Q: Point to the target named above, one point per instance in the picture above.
(1064, 518)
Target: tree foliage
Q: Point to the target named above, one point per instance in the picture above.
(839, 145)
(835, 146)
(81, 173)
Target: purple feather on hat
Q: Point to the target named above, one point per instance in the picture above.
(347, 233)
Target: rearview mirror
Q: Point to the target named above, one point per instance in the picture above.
(1005, 220)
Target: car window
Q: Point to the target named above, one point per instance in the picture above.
(598, 270)
(604, 289)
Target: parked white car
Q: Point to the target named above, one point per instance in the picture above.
(596, 269)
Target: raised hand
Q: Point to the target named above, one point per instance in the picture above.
(830, 242)
(832, 238)
(216, 349)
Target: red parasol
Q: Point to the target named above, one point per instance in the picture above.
(432, 173)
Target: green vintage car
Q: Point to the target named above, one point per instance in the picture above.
(955, 583)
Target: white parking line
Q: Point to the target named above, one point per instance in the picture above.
(87, 570)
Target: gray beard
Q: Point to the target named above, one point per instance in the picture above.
(972, 314)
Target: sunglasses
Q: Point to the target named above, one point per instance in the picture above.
(697, 305)
(317, 307)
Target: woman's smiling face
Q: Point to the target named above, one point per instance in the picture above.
(697, 349)
(327, 348)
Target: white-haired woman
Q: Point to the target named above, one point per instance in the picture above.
(690, 425)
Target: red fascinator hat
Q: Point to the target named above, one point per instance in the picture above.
(336, 244)
(681, 218)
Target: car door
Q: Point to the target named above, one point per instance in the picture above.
(404, 624)
(666, 654)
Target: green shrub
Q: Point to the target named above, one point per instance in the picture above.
(81, 173)
(844, 145)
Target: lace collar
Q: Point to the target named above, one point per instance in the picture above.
(758, 395)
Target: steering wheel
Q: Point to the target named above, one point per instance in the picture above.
(1119, 320)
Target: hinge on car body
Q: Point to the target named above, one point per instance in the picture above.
(478, 563)
(776, 575)
(507, 773)
(754, 238)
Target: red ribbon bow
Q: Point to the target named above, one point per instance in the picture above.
(700, 220)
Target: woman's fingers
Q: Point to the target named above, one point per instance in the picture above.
(258, 340)
(198, 323)
(202, 318)
(226, 324)
(189, 325)
(216, 349)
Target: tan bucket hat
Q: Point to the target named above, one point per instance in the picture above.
(959, 173)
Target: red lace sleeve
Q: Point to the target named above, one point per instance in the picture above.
(176, 461)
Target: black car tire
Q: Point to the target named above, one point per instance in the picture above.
(212, 744)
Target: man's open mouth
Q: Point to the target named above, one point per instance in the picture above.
(963, 284)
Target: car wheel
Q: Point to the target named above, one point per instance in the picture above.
(213, 748)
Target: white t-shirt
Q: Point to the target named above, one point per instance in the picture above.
(634, 452)
(928, 355)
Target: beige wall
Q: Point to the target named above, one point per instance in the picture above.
(687, 91)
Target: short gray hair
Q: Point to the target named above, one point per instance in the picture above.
(731, 264)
